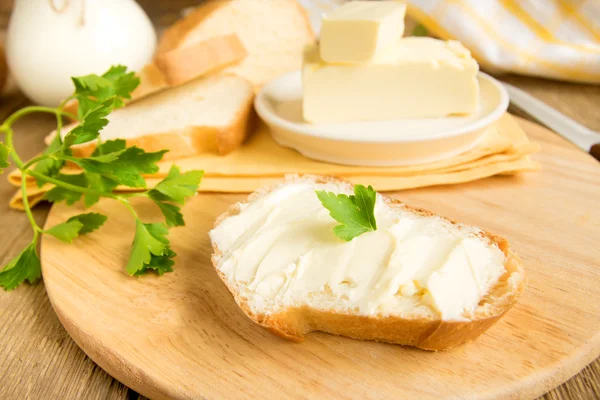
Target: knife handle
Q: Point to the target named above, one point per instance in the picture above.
(595, 151)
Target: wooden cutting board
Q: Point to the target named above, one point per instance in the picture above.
(182, 335)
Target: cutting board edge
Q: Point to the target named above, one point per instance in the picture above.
(113, 364)
(144, 384)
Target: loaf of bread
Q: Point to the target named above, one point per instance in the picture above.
(274, 33)
(212, 114)
(419, 279)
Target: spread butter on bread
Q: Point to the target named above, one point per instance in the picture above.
(419, 279)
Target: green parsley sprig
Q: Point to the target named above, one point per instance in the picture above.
(355, 213)
(112, 164)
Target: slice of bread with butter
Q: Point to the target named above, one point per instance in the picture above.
(419, 279)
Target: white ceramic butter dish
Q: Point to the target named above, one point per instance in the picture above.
(378, 143)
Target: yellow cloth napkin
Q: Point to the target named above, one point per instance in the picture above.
(504, 149)
(557, 39)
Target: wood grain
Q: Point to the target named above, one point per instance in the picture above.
(38, 360)
(174, 336)
(577, 101)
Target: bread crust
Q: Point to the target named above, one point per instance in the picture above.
(306, 18)
(152, 80)
(176, 33)
(183, 64)
(233, 136)
(428, 334)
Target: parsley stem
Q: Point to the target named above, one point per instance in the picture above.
(29, 110)
(35, 160)
(64, 102)
(128, 205)
(27, 207)
(10, 144)
(58, 123)
(59, 111)
(69, 186)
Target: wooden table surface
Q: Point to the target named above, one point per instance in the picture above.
(38, 360)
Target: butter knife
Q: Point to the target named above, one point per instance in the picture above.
(583, 137)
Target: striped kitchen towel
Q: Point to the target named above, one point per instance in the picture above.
(557, 39)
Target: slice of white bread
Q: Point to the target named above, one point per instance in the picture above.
(287, 271)
(184, 64)
(188, 62)
(212, 114)
(273, 32)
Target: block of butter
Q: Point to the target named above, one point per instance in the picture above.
(359, 30)
(417, 78)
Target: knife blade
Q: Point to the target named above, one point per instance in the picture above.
(581, 136)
